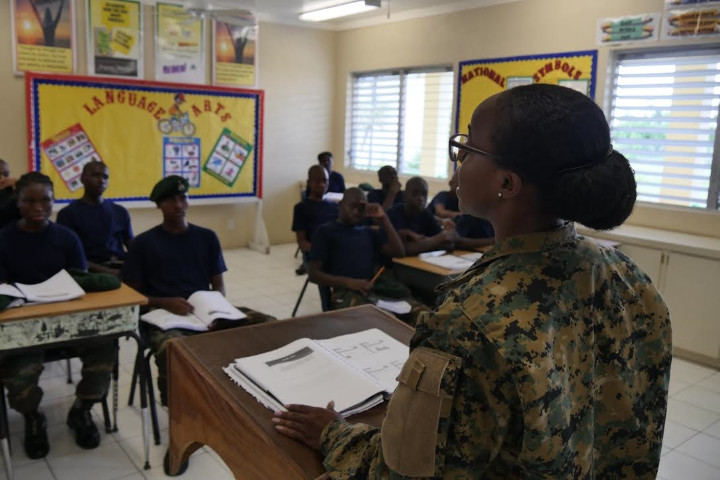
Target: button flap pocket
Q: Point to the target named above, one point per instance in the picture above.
(412, 429)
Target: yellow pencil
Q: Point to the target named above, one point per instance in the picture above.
(377, 275)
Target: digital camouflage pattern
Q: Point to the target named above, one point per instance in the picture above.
(21, 373)
(566, 352)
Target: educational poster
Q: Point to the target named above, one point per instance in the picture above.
(632, 29)
(227, 157)
(480, 79)
(145, 131)
(181, 156)
(115, 38)
(179, 45)
(42, 35)
(68, 152)
(698, 22)
(235, 51)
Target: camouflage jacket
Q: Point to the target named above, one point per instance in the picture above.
(549, 358)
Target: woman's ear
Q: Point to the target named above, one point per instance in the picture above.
(511, 184)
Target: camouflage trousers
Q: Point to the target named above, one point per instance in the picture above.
(344, 298)
(20, 374)
(157, 339)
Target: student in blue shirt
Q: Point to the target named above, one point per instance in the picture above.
(9, 212)
(391, 192)
(313, 211)
(343, 255)
(416, 225)
(103, 226)
(34, 249)
(445, 204)
(170, 262)
(336, 180)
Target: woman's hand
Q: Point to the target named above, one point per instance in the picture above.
(305, 424)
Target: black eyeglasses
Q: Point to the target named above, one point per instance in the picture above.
(458, 149)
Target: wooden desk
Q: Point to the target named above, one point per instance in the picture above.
(98, 315)
(207, 408)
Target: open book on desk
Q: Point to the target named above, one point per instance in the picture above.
(356, 371)
(454, 263)
(58, 288)
(207, 307)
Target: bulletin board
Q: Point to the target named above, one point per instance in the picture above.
(145, 131)
(480, 79)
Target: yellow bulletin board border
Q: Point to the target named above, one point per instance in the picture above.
(36, 160)
(489, 68)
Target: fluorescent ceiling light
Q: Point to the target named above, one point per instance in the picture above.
(345, 9)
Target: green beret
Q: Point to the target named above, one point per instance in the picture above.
(168, 187)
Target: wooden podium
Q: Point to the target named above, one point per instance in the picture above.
(207, 408)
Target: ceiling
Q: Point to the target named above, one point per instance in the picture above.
(287, 11)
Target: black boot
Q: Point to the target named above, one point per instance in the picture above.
(36, 440)
(80, 420)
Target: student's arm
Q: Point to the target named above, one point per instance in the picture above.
(217, 284)
(444, 240)
(393, 247)
(317, 275)
(128, 234)
(442, 212)
(176, 305)
(392, 193)
(302, 241)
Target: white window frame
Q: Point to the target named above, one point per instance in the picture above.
(398, 146)
(713, 191)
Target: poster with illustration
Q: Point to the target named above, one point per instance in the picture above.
(234, 58)
(115, 38)
(68, 151)
(227, 157)
(42, 36)
(181, 156)
(698, 22)
(179, 45)
(631, 29)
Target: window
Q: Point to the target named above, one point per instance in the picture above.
(402, 118)
(664, 119)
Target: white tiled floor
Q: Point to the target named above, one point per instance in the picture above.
(691, 449)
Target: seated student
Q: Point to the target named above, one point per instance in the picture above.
(170, 262)
(343, 253)
(445, 204)
(9, 212)
(473, 232)
(103, 226)
(390, 194)
(33, 250)
(336, 181)
(416, 225)
(313, 211)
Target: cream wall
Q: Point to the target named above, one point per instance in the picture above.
(296, 68)
(528, 27)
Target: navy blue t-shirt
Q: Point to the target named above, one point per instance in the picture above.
(336, 182)
(33, 257)
(472, 227)
(173, 264)
(446, 200)
(310, 214)
(377, 196)
(9, 211)
(347, 250)
(103, 229)
(423, 223)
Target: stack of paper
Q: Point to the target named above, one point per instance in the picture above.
(58, 288)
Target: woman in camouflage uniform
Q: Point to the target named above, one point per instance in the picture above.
(550, 357)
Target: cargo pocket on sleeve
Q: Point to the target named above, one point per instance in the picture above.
(413, 437)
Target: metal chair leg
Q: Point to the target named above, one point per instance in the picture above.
(302, 292)
(153, 403)
(69, 372)
(133, 383)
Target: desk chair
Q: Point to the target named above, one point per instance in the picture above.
(325, 294)
(151, 391)
(58, 354)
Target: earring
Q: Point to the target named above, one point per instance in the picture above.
(499, 194)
